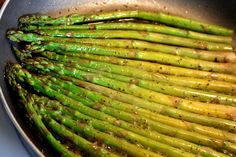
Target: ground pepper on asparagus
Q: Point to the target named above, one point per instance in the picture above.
(96, 85)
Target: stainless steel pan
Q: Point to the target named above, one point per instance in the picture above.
(219, 12)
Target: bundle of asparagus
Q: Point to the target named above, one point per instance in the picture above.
(97, 86)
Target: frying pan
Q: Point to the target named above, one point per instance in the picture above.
(221, 12)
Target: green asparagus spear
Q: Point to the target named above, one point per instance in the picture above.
(98, 98)
(71, 48)
(40, 86)
(218, 86)
(110, 140)
(222, 111)
(28, 102)
(140, 120)
(143, 65)
(22, 75)
(216, 56)
(157, 17)
(128, 135)
(157, 108)
(137, 26)
(159, 87)
(155, 67)
(106, 127)
(139, 35)
(83, 144)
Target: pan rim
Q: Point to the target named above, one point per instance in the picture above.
(5, 105)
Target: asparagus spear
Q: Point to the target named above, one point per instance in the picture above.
(106, 127)
(98, 98)
(155, 67)
(131, 149)
(70, 48)
(85, 145)
(210, 121)
(122, 133)
(216, 56)
(219, 86)
(28, 102)
(157, 108)
(140, 120)
(159, 87)
(165, 87)
(158, 17)
(222, 111)
(110, 140)
(51, 91)
(139, 35)
(137, 26)
(144, 65)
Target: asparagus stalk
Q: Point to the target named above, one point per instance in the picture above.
(186, 133)
(216, 56)
(159, 87)
(222, 111)
(165, 88)
(218, 86)
(139, 35)
(110, 140)
(140, 120)
(157, 17)
(98, 98)
(41, 87)
(144, 65)
(86, 146)
(155, 67)
(71, 48)
(107, 139)
(106, 127)
(157, 108)
(28, 102)
(210, 121)
(119, 132)
(137, 26)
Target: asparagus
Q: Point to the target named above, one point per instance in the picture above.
(159, 78)
(218, 86)
(128, 135)
(137, 26)
(106, 127)
(28, 102)
(159, 87)
(139, 35)
(23, 76)
(222, 111)
(157, 108)
(211, 121)
(86, 146)
(70, 48)
(98, 98)
(181, 132)
(160, 68)
(147, 66)
(110, 140)
(204, 140)
(157, 17)
(216, 56)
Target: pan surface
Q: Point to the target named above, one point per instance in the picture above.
(212, 11)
